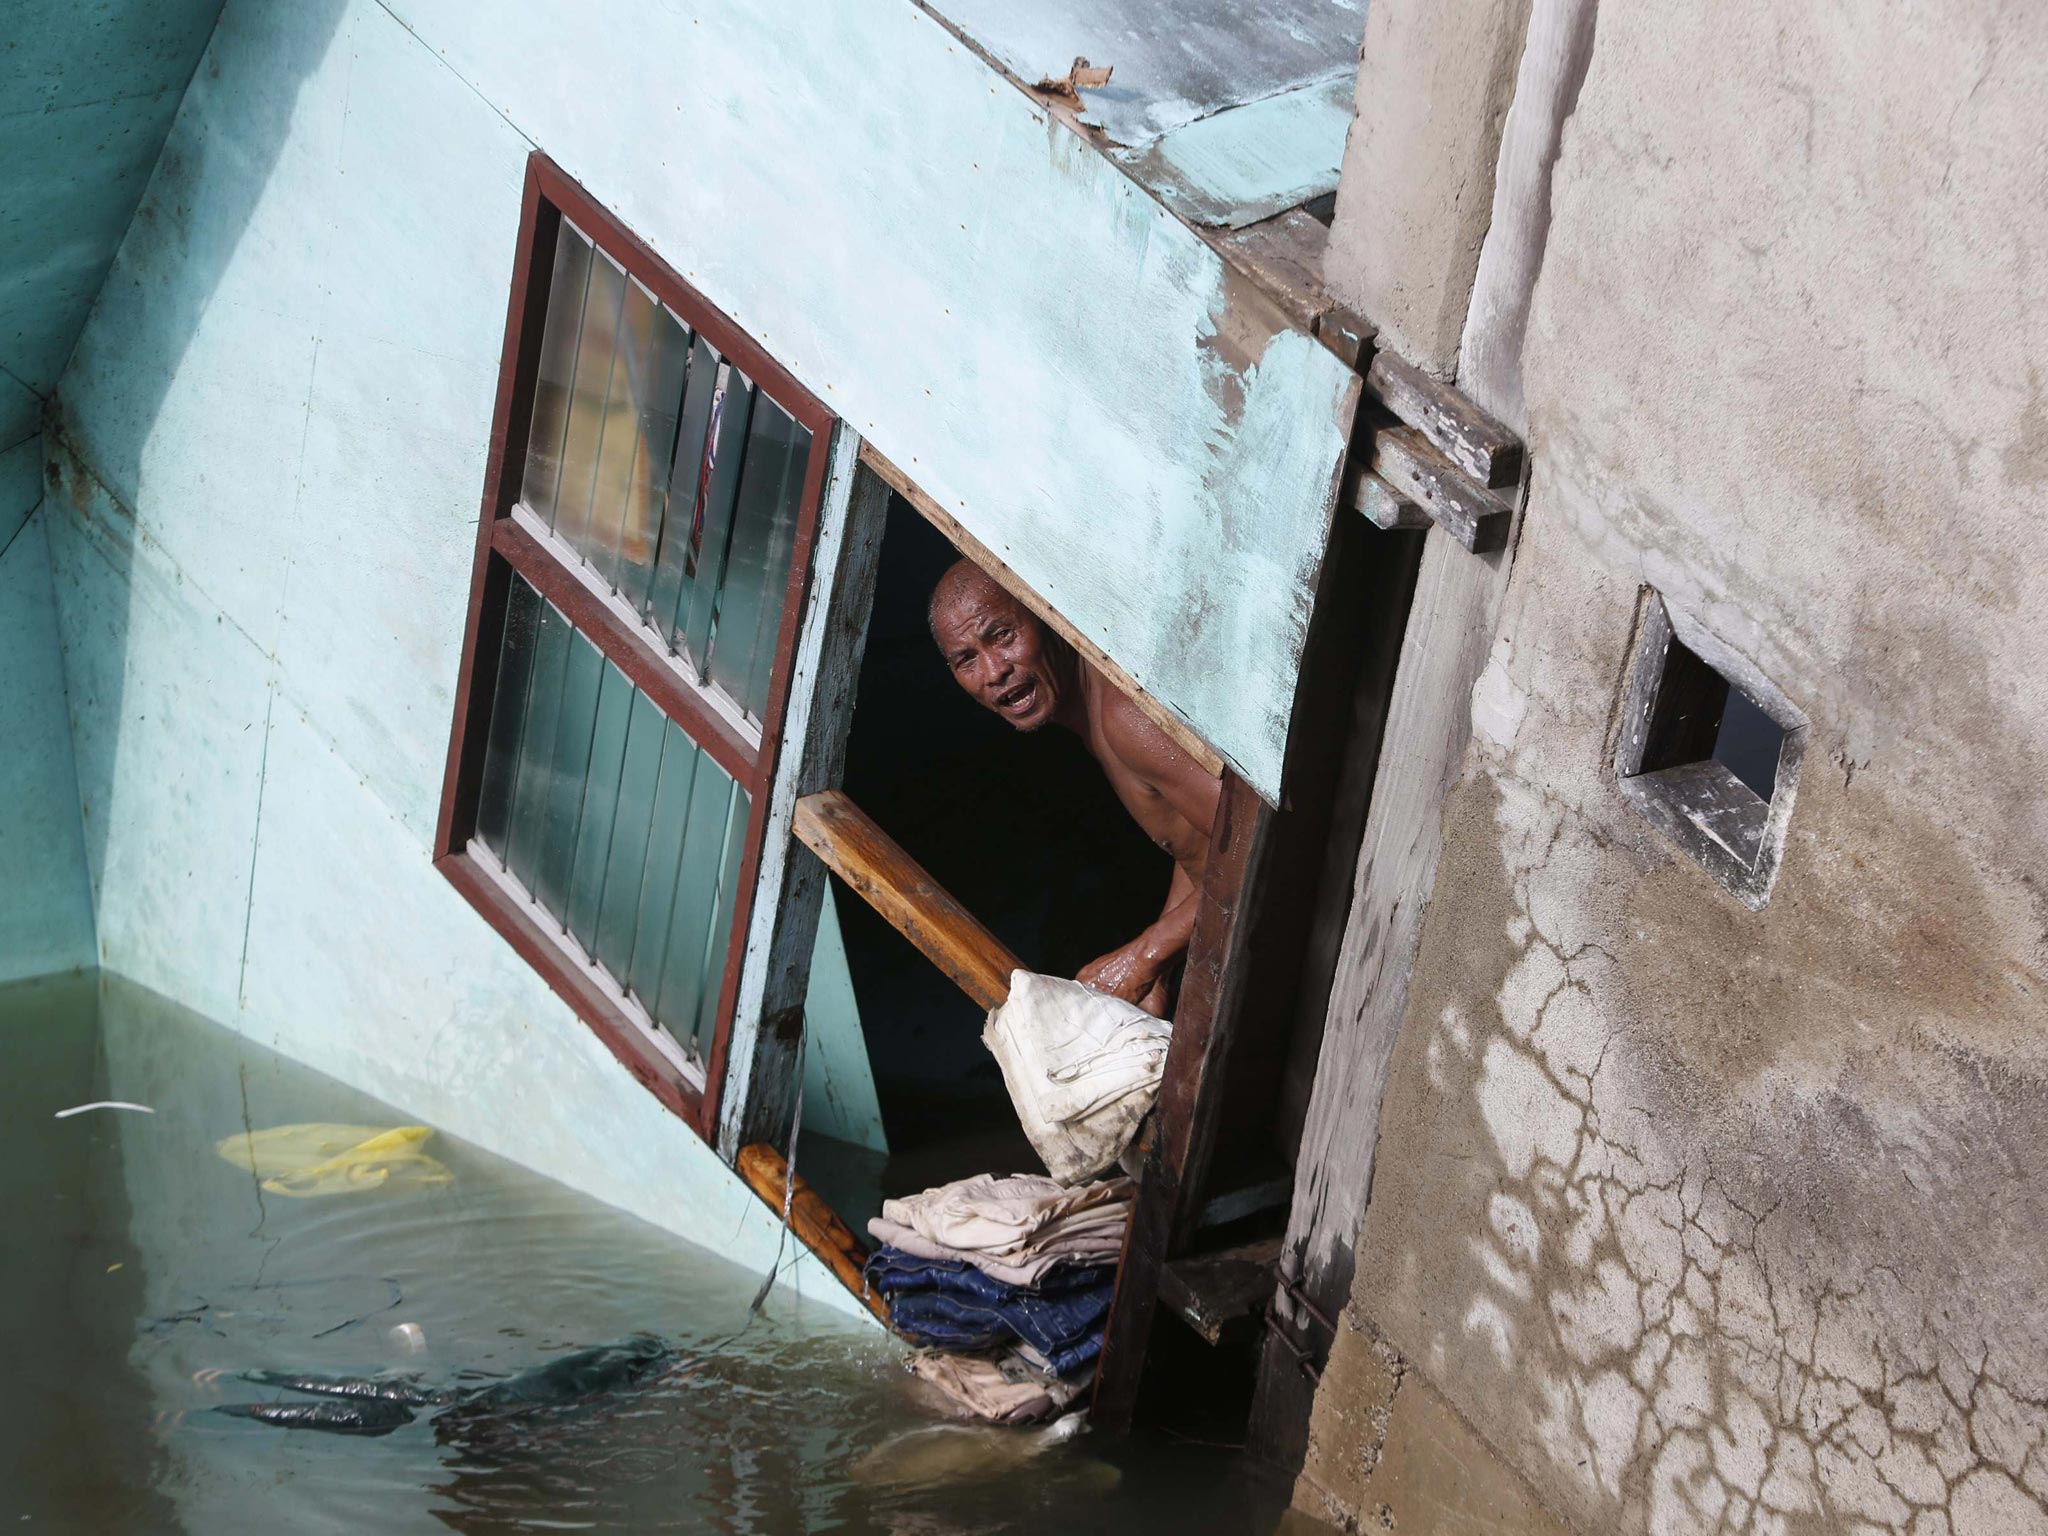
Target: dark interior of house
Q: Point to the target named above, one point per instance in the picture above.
(1022, 829)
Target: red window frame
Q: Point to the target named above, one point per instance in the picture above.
(503, 547)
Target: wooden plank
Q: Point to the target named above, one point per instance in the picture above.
(1472, 440)
(1211, 1291)
(1378, 502)
(1404, 458)
(1370, 575)
(811, 1221)
(1347, 669)
(896, 885)
(1449, 634)
(1184, 735)
(1345, 332)
(1251, 966)
(775, 973)
(1222, 1209)
(1173, 1151)
(1284, 256)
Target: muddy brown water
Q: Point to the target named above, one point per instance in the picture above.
(138, 1264)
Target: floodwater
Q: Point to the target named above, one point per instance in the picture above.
(140, 1265)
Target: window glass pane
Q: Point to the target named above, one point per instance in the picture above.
(757, 572)
(675, 564)
(719, 939)
(619, 828)
(679, 765)
(670, 474)
(711, 537)
(557, 369)
(640, 772)
(508, 714)
(659, 405)
(602, 302)
(619, 434)
(568, 772)
(532, 782)
(683, 976)
(600, 806)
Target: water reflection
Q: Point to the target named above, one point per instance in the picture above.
(145, 1270)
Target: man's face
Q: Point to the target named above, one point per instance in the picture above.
(996, 650)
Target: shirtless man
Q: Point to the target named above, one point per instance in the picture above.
(1011, 663)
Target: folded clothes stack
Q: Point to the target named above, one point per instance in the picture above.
(1018, 1271)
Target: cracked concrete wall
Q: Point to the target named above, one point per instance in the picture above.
(1708, 1219)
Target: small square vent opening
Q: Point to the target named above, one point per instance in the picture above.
(1710, 752)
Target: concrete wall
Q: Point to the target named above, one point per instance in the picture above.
(1415, 195)
(1701, 1218)
(45, 902)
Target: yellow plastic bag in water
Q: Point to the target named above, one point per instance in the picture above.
(307, 1161)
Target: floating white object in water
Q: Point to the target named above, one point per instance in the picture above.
(79, 1109)
(410, 1337)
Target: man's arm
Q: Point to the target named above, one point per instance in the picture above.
(1135, 971)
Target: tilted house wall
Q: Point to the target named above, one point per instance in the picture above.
(270, 442)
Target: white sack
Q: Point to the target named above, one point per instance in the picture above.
(1082, 1068)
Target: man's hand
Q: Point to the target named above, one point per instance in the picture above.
(1133, 972)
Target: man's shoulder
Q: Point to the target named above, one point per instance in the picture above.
(1132, 736)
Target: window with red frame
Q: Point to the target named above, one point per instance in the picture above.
(649, 507)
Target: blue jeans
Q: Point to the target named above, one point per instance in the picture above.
(950, 1305)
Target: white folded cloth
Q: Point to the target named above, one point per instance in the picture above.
(1082, 1068)
(1014, 1216)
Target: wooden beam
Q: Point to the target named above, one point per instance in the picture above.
(1173, 1151)
(1210, 1291)
(1182, 734)
(1346, 333)
(1284, 256)
(811, 1221)
(896, 885)
(775, 973)
(1378, 502)
(1472, 440)
(1260, 960)
(1405, 459)
(1449, 635)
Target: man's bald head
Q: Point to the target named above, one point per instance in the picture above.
(998, 649)
(964, 581)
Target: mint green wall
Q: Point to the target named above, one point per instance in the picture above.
(45, 904)
(839, 1083)
(270, 442)
(1050, 353)
(87, 91)
(266, 477)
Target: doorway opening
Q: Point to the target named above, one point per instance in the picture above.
(1021, 828)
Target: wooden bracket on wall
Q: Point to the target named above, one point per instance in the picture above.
(1481, 448)
(1423, 453)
